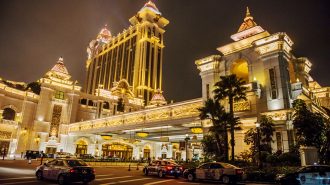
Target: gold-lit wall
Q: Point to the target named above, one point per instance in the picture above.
(134, 55)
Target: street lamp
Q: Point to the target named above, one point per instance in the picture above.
(186, 140)
(258, 144)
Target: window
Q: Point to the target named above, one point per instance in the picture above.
(207, 91)
(59, 163)
(273, 87)
(279, 140)
(73, 163)
(59, 95)
(205, 166)
(215, 166)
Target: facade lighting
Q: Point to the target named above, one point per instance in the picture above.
(142, 134)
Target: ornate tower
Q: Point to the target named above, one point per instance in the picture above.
(134, 55)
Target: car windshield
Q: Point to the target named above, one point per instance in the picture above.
(226, 165)
(73, 163)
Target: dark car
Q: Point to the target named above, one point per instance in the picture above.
(218, 171)
(65, 171)
(308, 175)
(163, 168)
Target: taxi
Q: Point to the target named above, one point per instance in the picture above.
(163, 168)
(308, 175)
(65, 171)
(224, 172)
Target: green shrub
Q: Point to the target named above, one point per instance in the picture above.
(289, 158)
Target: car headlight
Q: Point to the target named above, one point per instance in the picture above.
(279, 176)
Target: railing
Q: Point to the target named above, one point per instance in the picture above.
(180, 110)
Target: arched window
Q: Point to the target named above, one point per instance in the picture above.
(8, 114)
(240, 68)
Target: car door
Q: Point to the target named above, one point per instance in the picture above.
(57, 169)
(202, 171)
(215, 171)
(152, 166)
(47, 170)
(306, 176)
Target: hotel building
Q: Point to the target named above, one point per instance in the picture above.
(122, 112)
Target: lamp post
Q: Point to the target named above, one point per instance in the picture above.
(186, 141)
(258, 144)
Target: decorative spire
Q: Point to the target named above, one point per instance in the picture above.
(248, 14)
(248, 21)
(104, 35)
(158, 98)
(59, 67)
(151, 6)
(60, 59)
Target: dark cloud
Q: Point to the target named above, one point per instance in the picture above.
(34, 33)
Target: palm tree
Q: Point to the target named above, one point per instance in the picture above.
(267, 129)
(232, 88)
(215, 112)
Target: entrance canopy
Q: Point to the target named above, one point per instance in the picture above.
(172, 122)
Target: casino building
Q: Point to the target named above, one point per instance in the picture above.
(121, 111)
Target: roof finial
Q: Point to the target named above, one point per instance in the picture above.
(248, 14)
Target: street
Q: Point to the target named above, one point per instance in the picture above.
(20, 172)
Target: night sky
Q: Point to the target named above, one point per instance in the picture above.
(34, 34)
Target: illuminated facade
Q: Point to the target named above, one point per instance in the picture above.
(126, 70)
(134, 55)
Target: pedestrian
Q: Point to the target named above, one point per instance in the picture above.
(4, 154)
(42, 157)
(29, 160)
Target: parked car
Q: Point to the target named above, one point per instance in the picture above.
(163, 168)
(85, 156)
(65, 171)
(64, 155)
(218, 171)
(308, 175)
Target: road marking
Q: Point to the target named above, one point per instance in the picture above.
(22, 182)
(103, 175)
(112, 178)
(119, 182)
(17, 178)
(189, 183)
(158, 182)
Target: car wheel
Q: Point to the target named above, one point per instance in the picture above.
(160, 174)
(145, 171)
(190, 177)
(39, 175)
(61, 180)
(225, 179)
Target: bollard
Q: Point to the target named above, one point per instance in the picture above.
(129, 167)
(137, 166)
(29, 160)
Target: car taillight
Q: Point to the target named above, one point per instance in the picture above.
(93, 170)
(169, 167)
(72, 171)
(239, 171)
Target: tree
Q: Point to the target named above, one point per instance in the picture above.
(120, 105)
(215, 112)
(266, 133)
(309, 126)
(35, 87)
(325, 149)
(230, 87)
